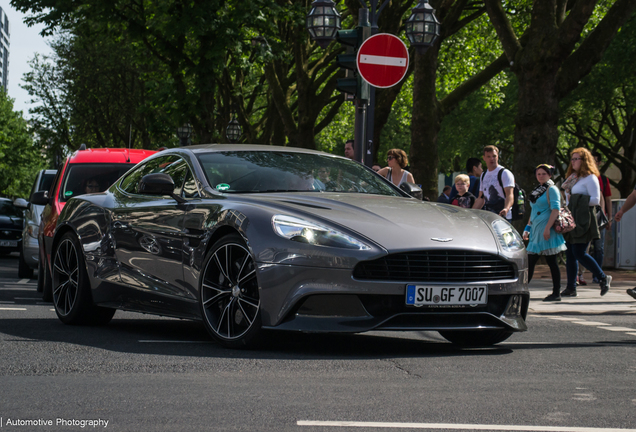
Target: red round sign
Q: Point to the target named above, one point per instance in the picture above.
(383, 60)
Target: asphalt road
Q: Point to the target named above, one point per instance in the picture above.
(572, 370)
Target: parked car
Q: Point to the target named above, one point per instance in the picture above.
(246, 238)
(29, 252)
(11, 223)
(85, 171)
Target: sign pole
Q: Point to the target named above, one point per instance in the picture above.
(360, 134)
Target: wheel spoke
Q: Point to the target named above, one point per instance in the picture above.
(248, 276)
(244, 299)
(245, 313)
(213, 300)
(218, 263)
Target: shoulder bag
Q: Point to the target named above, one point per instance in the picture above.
(565, 221)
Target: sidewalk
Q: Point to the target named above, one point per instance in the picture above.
(589, 300)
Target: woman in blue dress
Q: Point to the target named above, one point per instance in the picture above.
(543, 239)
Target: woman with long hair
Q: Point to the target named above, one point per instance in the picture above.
(583, 194)
(545, 201)
(395, 172)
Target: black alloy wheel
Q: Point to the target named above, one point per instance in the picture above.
(229, 295)
(71, 291)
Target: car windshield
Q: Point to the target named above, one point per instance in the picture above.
(279, 171)
(91, 178)
(8, 209)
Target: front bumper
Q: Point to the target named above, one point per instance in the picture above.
(313, 299)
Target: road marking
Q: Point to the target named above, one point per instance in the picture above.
(633, 334)
(12, 309)
(619, 329)
(451, 426)
(590, 323)
(26, 298)
(23, 281)
(558, 318)
(172, 341)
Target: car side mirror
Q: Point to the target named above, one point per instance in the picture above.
(159, 184)
(412, 189)
(156, 184)
(40, 198)
(21, 203)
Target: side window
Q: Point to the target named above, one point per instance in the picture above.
(190, 189)
(177, 170)
(130, 183)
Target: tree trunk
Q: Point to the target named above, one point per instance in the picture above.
(425, 123)
(536, 133)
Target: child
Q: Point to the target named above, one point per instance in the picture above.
(463, 198)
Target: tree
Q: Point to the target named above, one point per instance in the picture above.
(459, 18)
(601, 113)
(549, 59)
(19, 159)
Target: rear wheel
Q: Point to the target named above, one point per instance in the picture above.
(24, 271)
(475, 338)
(71, 291)
(229, 295)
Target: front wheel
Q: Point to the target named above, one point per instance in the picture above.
(475, 338)
(71, 290)
(229, 295)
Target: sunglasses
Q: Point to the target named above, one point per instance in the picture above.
(390, 158)
(575, 159)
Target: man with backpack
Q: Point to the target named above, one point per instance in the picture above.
(497, 186)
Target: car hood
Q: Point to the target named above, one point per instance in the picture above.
(394, 223)
(10, 222)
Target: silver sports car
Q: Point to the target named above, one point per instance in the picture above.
(249, 238)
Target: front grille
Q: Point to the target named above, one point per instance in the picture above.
(436, 266)
(10, 234)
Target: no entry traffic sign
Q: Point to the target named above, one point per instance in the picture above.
(383, 60)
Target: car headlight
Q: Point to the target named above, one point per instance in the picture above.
(508, 237)
(33, 231)
(303, 231)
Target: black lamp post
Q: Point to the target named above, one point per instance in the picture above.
(233, 132)
(323, 21)
(184, 132)
(422, 27)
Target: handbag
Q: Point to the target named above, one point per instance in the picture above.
(564, 222)
(601, 218)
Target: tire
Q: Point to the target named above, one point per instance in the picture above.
(24, 271)
(47, 291)
(71, 289)
(475, 338)
(229, 297)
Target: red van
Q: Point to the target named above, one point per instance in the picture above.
(85, 171)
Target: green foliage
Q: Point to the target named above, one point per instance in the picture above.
(19, 158)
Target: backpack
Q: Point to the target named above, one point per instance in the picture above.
(518, 196)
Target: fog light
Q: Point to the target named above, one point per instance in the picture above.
(514, 307)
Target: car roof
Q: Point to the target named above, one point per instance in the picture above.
(106, 155)
(203, 148)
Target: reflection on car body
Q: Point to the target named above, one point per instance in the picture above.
(243, 238)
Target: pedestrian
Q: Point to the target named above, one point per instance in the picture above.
(349, 149)
(395, 172)
(627, 205)
(463, 198)
(545, 201)
(582, 193)
(474, 171)
(376, 167)
(606, 207)
(495, 191)
(444, 196)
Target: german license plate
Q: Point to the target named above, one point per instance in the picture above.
(440, 295)
(8, 243)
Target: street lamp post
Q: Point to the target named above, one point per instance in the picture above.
(422, 29)
(183, 133)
